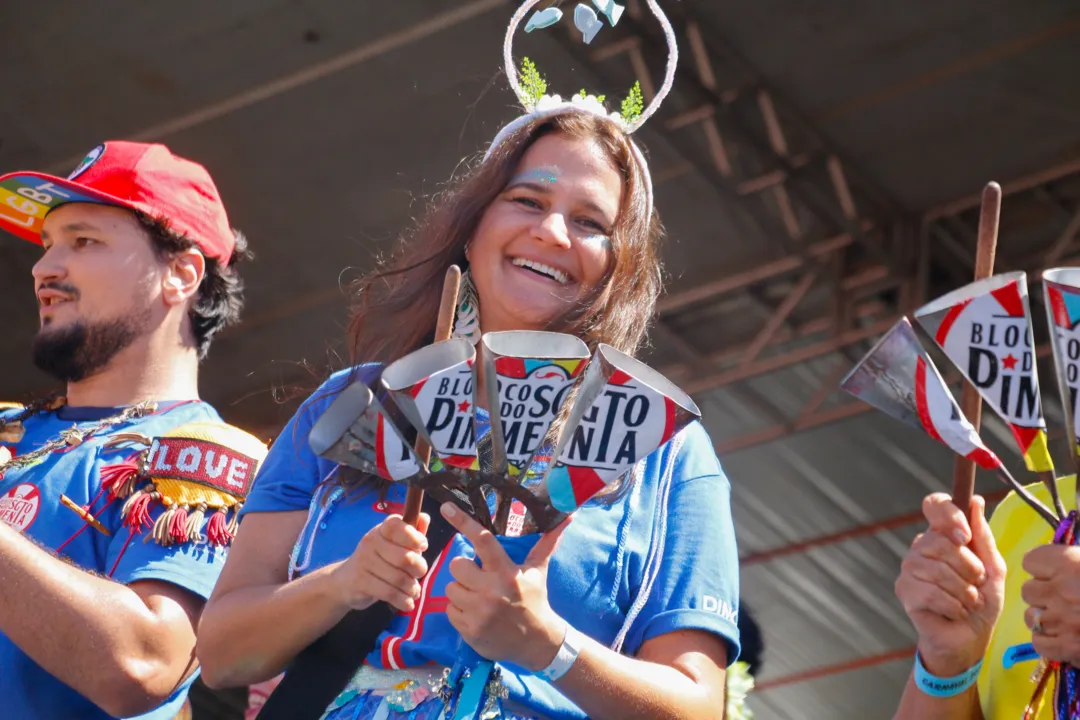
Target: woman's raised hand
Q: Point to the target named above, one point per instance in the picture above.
(952, 584)
(387, 565)
(501, 608)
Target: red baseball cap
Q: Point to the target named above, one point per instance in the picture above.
(136, 176)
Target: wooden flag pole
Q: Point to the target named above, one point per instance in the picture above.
(444, 326)
(970, 401)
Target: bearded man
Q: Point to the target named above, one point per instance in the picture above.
(137, 275)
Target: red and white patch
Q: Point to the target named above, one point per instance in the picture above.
(388, 508)
(203, 462)
(20, 506)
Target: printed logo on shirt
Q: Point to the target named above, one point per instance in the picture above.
(720, 607)
(20, 506)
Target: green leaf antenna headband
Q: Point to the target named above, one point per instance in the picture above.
(531, 88)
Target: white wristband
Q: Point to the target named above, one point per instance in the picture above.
(564, 659)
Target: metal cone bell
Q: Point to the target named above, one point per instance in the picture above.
(624, 410)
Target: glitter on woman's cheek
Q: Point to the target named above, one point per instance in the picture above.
(600, 241)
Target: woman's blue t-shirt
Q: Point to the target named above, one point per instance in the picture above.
(594, 578)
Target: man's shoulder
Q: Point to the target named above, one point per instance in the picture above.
(170, 414)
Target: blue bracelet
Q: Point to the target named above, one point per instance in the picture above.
(944, 687)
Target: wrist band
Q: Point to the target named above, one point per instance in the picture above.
(564, 659)
(944, 687)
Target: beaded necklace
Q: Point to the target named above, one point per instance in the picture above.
(12, 431)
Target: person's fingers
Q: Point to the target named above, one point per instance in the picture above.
(381, 590)
(1049, 622)
(1037, 593)
(962, 560)
(983, 543)
(408, 561)
(397, 531)
(1047, 562)
(467, 573)
(918, 596)
(941, 575)
(946, 519)
(460, 597)
(1063, 648)
(460, 620)
(487, 547)
(393, 576)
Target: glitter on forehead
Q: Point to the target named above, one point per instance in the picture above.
(547, 174)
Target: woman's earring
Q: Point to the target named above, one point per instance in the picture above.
(467, 320)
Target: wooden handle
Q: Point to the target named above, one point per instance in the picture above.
(86, 516)
(444, 326)
(970, 401)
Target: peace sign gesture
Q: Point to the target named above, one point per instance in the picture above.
(501, 608)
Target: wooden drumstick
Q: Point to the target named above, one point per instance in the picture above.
(444, 326)
(970, 401)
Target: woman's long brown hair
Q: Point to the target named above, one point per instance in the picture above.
(395, 306)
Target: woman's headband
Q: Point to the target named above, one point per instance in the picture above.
(531, 90)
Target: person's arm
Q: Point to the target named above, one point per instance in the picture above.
(951, 585)
(501, 611)
(255, 622)
(125, 648)
(676, 675)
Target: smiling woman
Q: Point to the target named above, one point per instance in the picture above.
(629, 611)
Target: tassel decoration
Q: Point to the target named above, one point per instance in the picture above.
(178, 524)
(160, 533)
(195, 522)
(136, 511)
(217, 530)
(119, 480)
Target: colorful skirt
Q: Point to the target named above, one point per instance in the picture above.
(376, 694)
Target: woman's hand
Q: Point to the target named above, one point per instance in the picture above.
(386, 565)
(952, 591)
(501, 609)
(1053, 597)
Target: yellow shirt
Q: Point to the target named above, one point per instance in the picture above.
(1005, 685)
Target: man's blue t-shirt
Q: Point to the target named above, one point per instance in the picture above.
(30, 502)
(594, 577)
